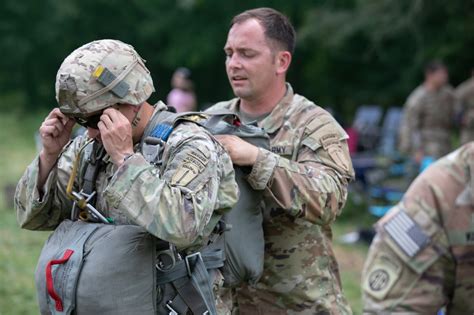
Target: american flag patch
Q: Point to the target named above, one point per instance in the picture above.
(406, 233)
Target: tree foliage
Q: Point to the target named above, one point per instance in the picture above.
(349, 52)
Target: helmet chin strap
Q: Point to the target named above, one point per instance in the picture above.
(138, 117)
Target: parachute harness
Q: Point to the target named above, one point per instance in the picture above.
(83, 199)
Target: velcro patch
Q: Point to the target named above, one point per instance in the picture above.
(106, 77)
(406, 233)
(192, 165)
(332, 144)
(381, 277)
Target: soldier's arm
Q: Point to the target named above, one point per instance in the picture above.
(178, 205)
(44, 207)
(392, 282)
(413, 116)
(314, 186)
(411, 267)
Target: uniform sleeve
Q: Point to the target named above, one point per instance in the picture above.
(177, 205)
(394, 284)
(45, 212)
(314, 186)
(413, 115)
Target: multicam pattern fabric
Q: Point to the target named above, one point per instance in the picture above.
(465, 98)
(428, 121)
(305, 177)
(78, 83)
(139, 192)
(441, 274)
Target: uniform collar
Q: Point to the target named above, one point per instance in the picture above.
(275, 120)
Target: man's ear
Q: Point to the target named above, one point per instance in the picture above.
(283, 60)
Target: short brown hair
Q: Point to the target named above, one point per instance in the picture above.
(276, 26)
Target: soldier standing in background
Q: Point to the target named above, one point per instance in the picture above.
(176, 190)
(304, 176)
(465, 111)
(429, 116)
(422, 258)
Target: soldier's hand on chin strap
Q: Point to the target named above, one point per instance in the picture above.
(241, 152)
(116, 134)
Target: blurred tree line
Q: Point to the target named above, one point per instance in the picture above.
(349, 52)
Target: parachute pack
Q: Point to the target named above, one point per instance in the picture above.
(96, 268)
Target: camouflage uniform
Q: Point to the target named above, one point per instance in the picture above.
(305, 177)
(465, 98)
(422, 258)
(428, 120)
(179, 200)
(170, 207)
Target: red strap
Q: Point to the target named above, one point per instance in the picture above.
(237, 122)
(49, 278)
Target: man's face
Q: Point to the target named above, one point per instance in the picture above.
(250, 61)
(439, 78)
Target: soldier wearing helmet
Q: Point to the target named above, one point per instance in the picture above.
(172, 182)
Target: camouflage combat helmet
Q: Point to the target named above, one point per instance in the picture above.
(101, 74)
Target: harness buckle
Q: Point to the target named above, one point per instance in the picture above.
(152, 150)
(81, 200)
(172, 310)
(188, 257)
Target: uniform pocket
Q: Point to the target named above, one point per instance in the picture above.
(59, 267)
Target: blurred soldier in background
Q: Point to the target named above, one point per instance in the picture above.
(182, 96)
(429, 116)
(422, 258)
(304, 175)
(465, 110)
(164, 188)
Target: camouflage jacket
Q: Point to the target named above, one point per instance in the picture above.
(428, 121)
(422, 258)
(305, 177)
(465, 101)
(171, 203)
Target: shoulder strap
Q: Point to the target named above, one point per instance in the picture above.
(163, 123)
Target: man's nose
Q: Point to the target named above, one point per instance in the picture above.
(234, 61)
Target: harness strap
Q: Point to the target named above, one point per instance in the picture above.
(92, 169)
(201, 281)
(191, 280)
(187, 298)
(212, 260)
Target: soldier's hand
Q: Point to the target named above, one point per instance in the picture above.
(241, 152)
(116, 134)
(55, 132)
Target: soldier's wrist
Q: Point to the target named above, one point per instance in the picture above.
(48, 157)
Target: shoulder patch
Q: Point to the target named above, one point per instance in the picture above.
(381, 277)
(406, 233)
(332, 144)
(191, 166)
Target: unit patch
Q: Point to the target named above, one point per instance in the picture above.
(192, 165)
(379, 279)
(332, 144)
(383, 274)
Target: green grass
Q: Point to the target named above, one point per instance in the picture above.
(19, 249)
